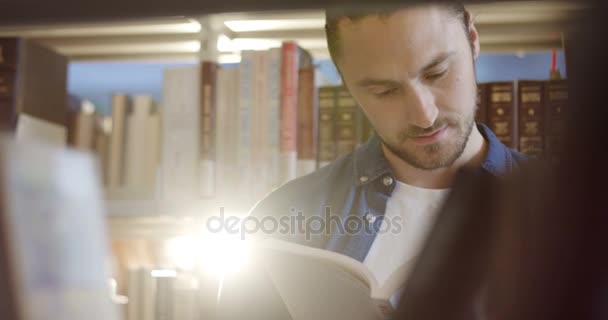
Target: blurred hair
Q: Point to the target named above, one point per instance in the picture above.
(334, 16)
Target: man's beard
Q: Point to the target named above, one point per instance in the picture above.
(437, 155)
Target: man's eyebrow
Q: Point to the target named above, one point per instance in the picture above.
(368, 82)
(436, 61)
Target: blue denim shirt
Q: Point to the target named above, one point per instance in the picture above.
(340, 207)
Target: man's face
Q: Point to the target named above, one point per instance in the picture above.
(413, 74)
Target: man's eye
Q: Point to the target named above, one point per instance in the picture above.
(386, 92)
(437, 75)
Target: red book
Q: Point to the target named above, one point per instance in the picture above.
(289, 111)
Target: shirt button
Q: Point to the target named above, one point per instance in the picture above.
(388, 180)
(370, 218)
(363, 179)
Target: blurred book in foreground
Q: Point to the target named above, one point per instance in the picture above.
(52, 235)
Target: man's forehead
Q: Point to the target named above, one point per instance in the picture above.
(405, 41)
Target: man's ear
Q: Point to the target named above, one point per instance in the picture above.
(472, 34)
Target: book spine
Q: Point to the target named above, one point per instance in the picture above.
(289, 109)
(502, 113)
(481, 114)
(556, 100)
(180, 133)
(274, 115)
(8, 78)
(245, 126)
(8, 112)
(136, 154)
(531, 114)
(164, 298)
(153, 147)
(207, 148)
(347, 133)
(307, 121)
(42, 83)
(227, 130)
(85, 127)
(326, 136)
(120, 108)
(103, 129)
(259, 125)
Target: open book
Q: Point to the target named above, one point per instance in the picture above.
(311, 283)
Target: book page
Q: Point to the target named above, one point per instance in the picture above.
(318, 284)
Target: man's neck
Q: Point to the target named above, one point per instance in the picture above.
(473, 155)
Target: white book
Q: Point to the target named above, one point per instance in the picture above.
(246, 94)
(274, 116)
(137, 154)
(227, 131)
(259, 123)
(313, 283)
(180, 133)
(103, 130)
(85, 127)
(53, 247)
(116, 162)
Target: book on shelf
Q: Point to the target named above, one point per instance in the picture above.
(180, 133)
(294, 281)
(502, 112)
(142, 145)
(530, 95)
(121, 105)
(207, 147)
(53, 250)
(326, 125)
(342, 124)
(289, 111)
(481, 113)
(556, 105)
(227, 130)
(33, 86)
(307, 118)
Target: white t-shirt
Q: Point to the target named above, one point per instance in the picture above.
(415, 210)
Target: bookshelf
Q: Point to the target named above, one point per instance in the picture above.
(505, 27)
(516, 27)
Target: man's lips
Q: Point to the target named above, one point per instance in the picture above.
(431, 137)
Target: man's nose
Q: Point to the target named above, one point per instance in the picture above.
(420, 107)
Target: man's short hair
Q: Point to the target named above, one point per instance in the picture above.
(333, 17)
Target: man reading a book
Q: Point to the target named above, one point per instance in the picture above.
(412, 71)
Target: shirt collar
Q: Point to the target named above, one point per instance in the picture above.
(370, 163)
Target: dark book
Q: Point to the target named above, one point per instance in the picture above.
(307, 120)
(347, 120)
(33, 81)
(502, 113)
(207, 128)
(556, 103)
(531, 117)
(327, 125)
(481, 113)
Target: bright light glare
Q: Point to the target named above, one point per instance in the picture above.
(215, 253)
(223, 254)
(163, 273)
(225, 44)
(278, 24)
(182, 251)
